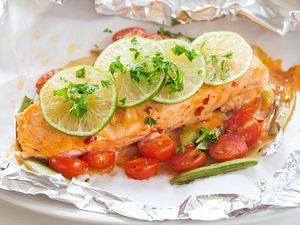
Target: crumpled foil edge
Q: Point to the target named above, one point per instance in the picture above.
(278, 16)
(283, 190)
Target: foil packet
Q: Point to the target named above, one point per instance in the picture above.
(278, 16)
(280, 192)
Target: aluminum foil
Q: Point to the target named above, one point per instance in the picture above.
(281, 191)
(3, 10)
(275, 15)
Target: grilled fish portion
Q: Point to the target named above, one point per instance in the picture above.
(38, 139)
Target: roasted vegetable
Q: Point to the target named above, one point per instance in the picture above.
(214, 169)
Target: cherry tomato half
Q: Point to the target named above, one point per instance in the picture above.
(157, 37)
(188, 160)
(100, 160)
(141, 168)
(228, 147)
(129, 32)
(244, 125)
(44, 78)
(69, 167)
(161, 148)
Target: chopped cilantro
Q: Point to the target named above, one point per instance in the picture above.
(135, 51)
(123, 100)
(164, 31)
(134, 40)
(213, 77)
(107, 30)
(206, 137)
(105, 83)
(213, 58)
(81, 72)
(200, 72)
(149, 121)
(224, 70)
(180, 149)
(228, 54)
(77, 95)
(117, 66)
(180, 49)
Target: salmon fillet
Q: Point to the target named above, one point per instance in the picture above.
(38, 139)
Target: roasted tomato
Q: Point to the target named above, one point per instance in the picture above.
(44, 78)
(157, 37)
(100, 160)
(161, 148)
(141, 168)
(69, 167)
(129, 32)
(228, 147)
(244, 125)
(190, 159)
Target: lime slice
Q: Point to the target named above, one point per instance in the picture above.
(99, 105)
(228, 56)
(131, 92)
(194, 73)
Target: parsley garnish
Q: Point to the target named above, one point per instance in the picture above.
(206, 137)
(180, 49)
(107, 30)
(149, 121)
(224, 70)
(123, 100)
(81, 72)
(105, 83)
(200, 72)
(180, 149)
(213, 58)
(228, 54)
(117, 66)
(77, 95)
(135, 51)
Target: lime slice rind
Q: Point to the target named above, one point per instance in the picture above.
(101, 104)
(218, 43)
(192, 79)
(135, 93)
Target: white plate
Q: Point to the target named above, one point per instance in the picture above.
(38, 60)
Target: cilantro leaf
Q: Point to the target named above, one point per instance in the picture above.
(123, 100)
(149, 121)
(180, 149)
(213, 58)
(134, 40)
(213, 77)
(117, 66)
(135, 51)
(77, 93)
(107, 30)
(81, 72)
(79, 107)
(224, 70)
(206, 138)
(105, 83)
(181, 49)
(162, 30)
(61, 92)
(228, 54)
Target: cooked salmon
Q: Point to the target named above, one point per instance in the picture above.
(38, 139)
